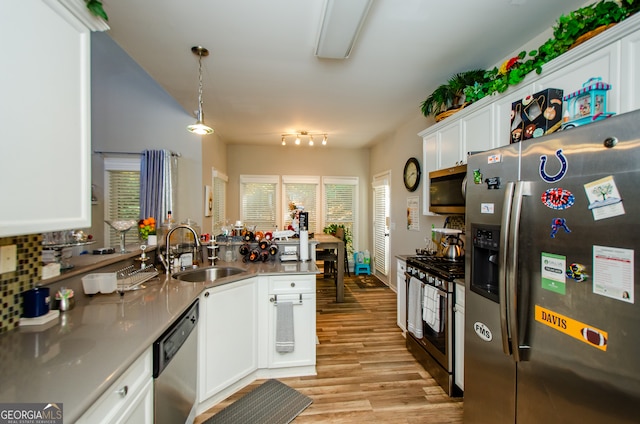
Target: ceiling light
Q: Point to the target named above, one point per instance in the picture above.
(200, 127)
(300, 134)
(341, 24)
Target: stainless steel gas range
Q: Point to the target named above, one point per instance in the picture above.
(430, 301)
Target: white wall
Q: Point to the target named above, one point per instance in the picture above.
(391, 154)
(302, 160)
(130, 113)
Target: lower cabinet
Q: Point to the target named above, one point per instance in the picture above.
(401, 284)
(129, 400)
(300, 290)
(458, 319)
(227, 336)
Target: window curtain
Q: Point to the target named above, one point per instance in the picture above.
(158, 175)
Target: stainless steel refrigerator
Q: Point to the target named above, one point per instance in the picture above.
(552, 330)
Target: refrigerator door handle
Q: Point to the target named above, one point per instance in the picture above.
(503, 259)
(512, 268)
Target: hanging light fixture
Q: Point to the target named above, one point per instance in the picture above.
(200, 127)
(298, 135)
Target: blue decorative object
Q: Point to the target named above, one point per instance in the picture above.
(589, 104)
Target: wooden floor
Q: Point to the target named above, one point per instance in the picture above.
(365, 373)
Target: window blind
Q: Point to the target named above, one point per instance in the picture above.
(259, 202)
(123, 200)
(219, 204)
(340, 205)
(302, 194)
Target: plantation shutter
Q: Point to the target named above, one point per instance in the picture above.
(259, 202)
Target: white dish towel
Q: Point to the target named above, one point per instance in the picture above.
(414, 312)
(431, 310)
(285, 342)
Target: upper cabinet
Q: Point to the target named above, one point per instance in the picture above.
(614, 55)
(45, 115)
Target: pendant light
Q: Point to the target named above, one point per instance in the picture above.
(200, 127)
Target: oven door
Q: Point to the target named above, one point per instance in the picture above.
(435, 324)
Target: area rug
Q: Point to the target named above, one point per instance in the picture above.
(272, 402)
(369, 282)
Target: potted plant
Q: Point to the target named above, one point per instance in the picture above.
(348, 238)
(450, 96)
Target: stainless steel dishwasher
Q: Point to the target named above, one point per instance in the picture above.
(175, 371)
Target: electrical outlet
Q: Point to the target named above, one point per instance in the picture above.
(8, 258)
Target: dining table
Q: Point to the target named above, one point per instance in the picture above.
(330, 242)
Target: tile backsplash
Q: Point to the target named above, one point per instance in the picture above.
(25, 277)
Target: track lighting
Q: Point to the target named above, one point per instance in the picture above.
(300, 134)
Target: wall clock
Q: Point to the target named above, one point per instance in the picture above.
(411, 174)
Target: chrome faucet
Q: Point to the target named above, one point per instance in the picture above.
(168, 262)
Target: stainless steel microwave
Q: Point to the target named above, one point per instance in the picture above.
(447, 190)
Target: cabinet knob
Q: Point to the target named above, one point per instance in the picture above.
(206, 294)
(293, 284)
(123, 392)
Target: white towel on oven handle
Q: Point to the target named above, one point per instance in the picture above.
(414, 312)
(431, 308)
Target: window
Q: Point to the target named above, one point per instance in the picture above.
(302, 191)
(260, 201)
(340, 203)
(122, 193)
(219, 201)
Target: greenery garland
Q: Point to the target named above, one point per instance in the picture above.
(95, 7)
(566, 31)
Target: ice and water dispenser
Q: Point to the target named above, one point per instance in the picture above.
(484, 263)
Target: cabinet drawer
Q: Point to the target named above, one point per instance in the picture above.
(460, 295)
(113, 402)
(292, 284)
(402, 266)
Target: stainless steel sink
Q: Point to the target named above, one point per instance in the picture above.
(212, 273)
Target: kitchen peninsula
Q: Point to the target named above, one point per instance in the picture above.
(76, 359)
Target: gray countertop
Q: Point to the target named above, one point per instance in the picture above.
(75, 358)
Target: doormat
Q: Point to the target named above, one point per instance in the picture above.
(369, 282)
(272, 402)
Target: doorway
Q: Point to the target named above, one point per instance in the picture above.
(381, 207)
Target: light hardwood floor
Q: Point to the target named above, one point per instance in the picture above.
(365, 373)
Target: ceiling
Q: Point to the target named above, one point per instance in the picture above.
(262, 79)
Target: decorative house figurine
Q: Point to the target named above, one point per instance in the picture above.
(589, 104)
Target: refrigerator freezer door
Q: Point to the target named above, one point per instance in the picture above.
(490, 373)
(580, 332)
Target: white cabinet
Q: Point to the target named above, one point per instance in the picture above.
(301, 291)
(401, 284)
(45, 118)
(227, 336)
(450, 145)
(478, 131)
(129, 400)
(429, 163)
(613, 55)
(458, 342)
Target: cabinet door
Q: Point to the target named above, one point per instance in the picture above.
(141, 408)
(450, 144)
(601, 63)
(402, 295)
(44, 119)
(429, 163)
(304, 331)
(477, 131)
(227, 337)
(630, 67)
